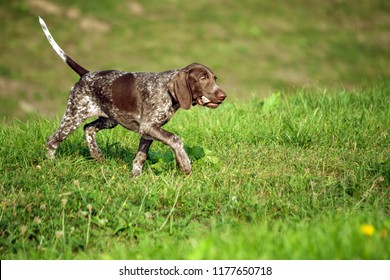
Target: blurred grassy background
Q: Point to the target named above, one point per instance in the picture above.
(255, 47)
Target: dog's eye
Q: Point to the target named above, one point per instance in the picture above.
(203, 78)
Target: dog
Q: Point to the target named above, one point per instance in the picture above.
(139, 101)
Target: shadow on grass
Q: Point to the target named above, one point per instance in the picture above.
(159, 159)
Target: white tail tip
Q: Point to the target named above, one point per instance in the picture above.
(50, 38)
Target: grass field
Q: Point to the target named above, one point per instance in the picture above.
(300, 175)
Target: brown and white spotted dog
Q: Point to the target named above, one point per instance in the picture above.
(139, 101)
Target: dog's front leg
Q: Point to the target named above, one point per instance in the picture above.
(173, 141)
(141, 156)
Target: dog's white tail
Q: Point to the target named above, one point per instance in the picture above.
(76, 67)
(50, 38)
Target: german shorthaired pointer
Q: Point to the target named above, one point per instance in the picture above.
(139, 101)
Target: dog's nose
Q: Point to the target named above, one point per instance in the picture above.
(221, 95)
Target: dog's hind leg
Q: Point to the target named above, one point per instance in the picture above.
(80, 107)
(68, 124)
(90, 131)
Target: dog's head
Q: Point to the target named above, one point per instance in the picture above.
(196, 84)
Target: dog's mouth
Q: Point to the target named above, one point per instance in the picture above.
(204, 101)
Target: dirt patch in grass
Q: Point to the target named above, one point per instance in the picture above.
(86, 22)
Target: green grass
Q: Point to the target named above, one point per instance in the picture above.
(294, 176)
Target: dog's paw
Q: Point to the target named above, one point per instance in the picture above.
(136, 171)
(184, 164)
(97, 155)
(50, 154)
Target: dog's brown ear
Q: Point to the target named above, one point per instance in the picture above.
(179, 88)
